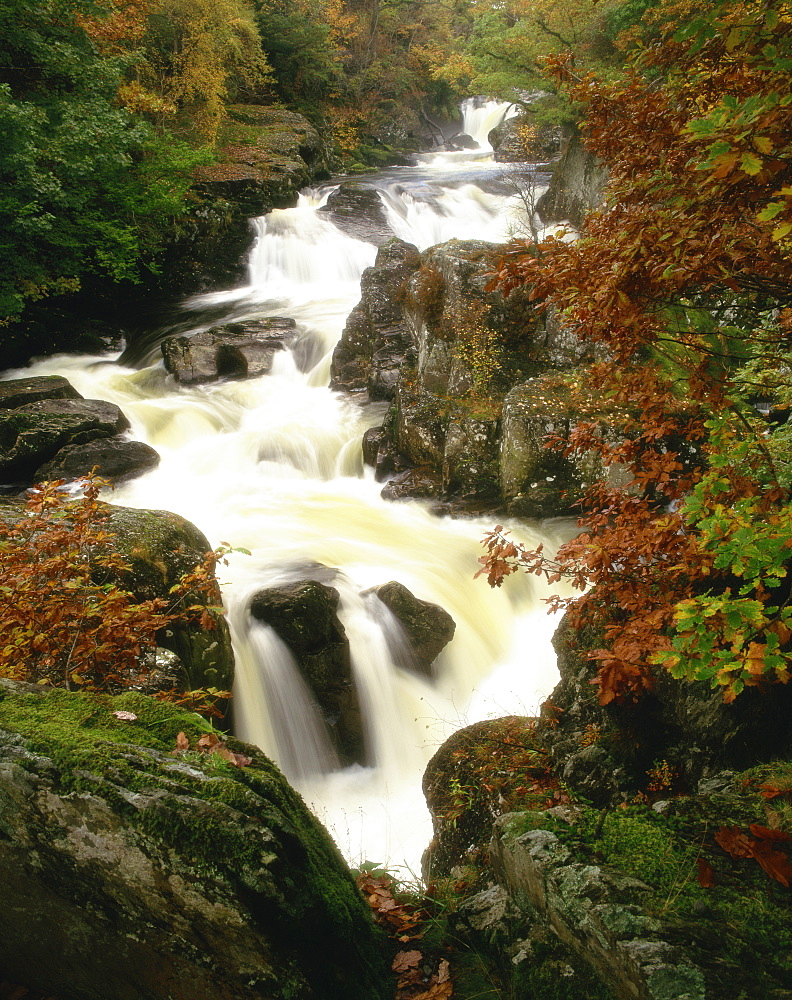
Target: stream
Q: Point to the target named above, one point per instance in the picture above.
(274, 465)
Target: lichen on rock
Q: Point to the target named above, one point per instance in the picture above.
(136, 871)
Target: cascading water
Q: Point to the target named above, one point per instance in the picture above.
(274, 465)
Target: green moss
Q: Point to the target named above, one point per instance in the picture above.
(739, 930)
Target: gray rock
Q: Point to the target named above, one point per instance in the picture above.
(133, 873)
(235, 351)
(576, 187)
(427, 627)
(32, 434)
(357, 210)
(304, 616)
(114, 459)
(594, 912)
(422, 483)
(377, 343)
(19, 391)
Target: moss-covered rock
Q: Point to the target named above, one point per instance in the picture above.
(135, 872)
(160, 548)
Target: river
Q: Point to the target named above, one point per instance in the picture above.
(274, 465)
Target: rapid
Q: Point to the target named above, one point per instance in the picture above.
(273, 465)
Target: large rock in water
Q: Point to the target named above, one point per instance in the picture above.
(33, 433)
(236, 350)
(133, 872)
(304, 616)
(427, 627)
(377, 341)
(357, 210)
(48, 431)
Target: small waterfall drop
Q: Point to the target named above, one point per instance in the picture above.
(274, 465)
(480, 117)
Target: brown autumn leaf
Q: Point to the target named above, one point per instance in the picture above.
(404, 960)
(706, 876)
(237, 759)
(766, 833)
(207, 741)
(182, 743)
(774, 862)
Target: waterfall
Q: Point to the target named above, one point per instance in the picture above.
(480, 117)
(274, 465)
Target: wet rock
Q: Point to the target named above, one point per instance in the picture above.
(377, 343)
(509, 143)
(470, 457)
(576, 186)
(133, 873)
(114, 459)
(33, 433)
(233, 351)
(357, 210)
(422, 483)
(304, 616)
(461, 141)
(605, 752)
(427, 627)
(19, 391)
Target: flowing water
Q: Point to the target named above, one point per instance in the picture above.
(274, 465)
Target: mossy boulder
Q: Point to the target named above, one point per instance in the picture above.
(160, 548)
(137, 871)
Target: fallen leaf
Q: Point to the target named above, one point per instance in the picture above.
(207, 741)
(126, 716)
(182, 743)
(706, 876)
(405, 960)
(237, 759)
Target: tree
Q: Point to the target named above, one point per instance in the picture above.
(684, 279)
(85, 185)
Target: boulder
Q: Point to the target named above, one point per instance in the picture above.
(461, 141)
(595, 911)
(161, 547)
(422, 483)
(135, 870)
(427, 627)
(357, 210)
(235, 351)
(576, 187)
(114, 459)
(604, 752)
(33, 433)
(377, 343)
(19, 391)
(304, 616)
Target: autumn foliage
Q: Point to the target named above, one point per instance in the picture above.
(64, 618)
(684, 281)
